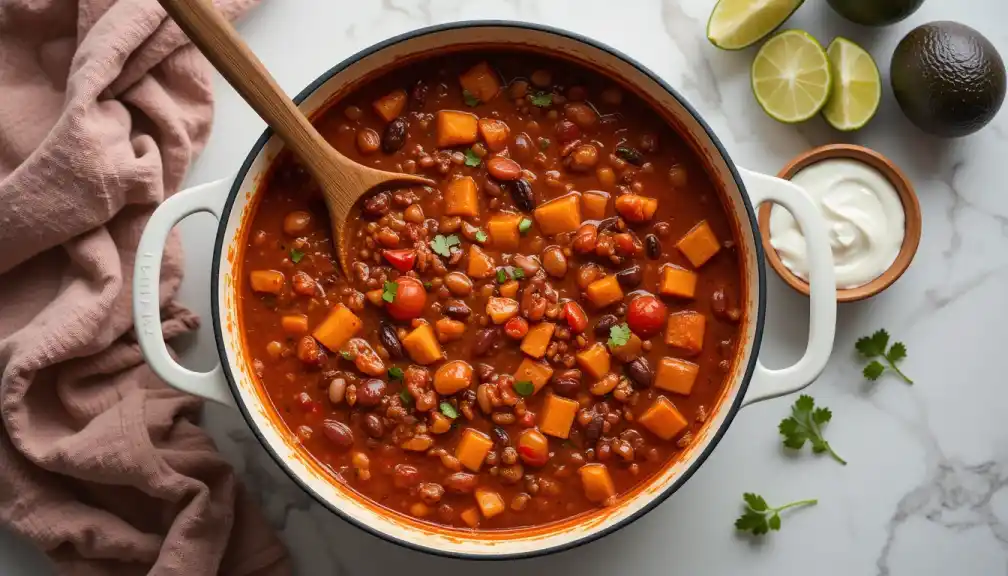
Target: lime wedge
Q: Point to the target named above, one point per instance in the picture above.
(735, 24)
(857, 86)
(791, 77)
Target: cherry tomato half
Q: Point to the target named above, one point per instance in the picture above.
(575, 316)
(401, 260)
(410, 299)
(646, 315)
(533, 447)
(516, 328)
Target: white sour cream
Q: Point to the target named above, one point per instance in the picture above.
(864, 216)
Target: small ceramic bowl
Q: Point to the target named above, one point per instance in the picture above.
(911, 209)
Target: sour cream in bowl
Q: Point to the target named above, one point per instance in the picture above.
(871, 211)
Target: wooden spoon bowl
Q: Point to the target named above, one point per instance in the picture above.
(342, 180)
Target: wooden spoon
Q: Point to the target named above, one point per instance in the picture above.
(343, 181)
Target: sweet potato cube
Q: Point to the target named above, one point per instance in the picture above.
(495, 133)
(391, 105)
(596, 482)
(662, 419)
(604, 292)
(503, 231)
(557, 416)
(490, 503)
(636, 208)
(267, 281)
(629, 351)
(676, 281)
(296, 324)
(685, 330)
(455, 128)
(537, 373)
(481, 264)
(473, 448)
(699, 244)
(509, 289)
(471, 517)
(676, 375)
(559, 215)
(537, 340)
(448, 329)
(422, 345)
(500, 310)
(338, 328)
(596, 203)
(480, 81)
(460, 198)
(594, 360)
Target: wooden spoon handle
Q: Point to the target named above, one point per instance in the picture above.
(229, 54)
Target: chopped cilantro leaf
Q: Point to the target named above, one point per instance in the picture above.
(296, 255)
(544, 143)
(471, 159)
(525, 225)
(389, 292)
(395, 373)
(470, 98)
(502, 275)
(442, 244)
(346, 355)
(481, 236)
(524, 388)
(406, 398)
(517, 273)
(619, 335)
(542, 99)
(448, 410)
(631, 155)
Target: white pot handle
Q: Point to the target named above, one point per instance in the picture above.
(146, 281)
(767, 383)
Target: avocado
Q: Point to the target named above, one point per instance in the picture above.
(875, 12)
(948, 79)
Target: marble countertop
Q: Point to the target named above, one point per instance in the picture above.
(924, 492)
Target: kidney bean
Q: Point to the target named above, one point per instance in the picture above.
(370, 392)
(630, 277)
(460, 482)
(581, 114)
(337, 390)
(394, 136)
(511, 474)
(567, 131)
(309, 352)
(585, 239)
(528, 264)
(583, 159)
(640, 372)
(458, 284)
(390, 340)
(503, 169)
(456, 309)
(593, 431)
(377, 205)
(521, 194)
(603, 325)
(555, 262)
(368, 141)
(567, 385)
(405, 476)
(588, 273)
(500, 437)
(430, 492)
(485, 340)
(338, 433)
(652, 246)
(373, 425)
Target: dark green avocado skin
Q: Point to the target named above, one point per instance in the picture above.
(948, 79)
(875, 12)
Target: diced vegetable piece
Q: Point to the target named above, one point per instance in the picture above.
(338, 328)
(533, 447)
(557, 416)
(422, 346)
(455, 128)
(481, 264)
(500, 310)
(509, 289)
(364, 357)
(448, 329)
(604, 292)
(636, 208)
(662, 419)
(375, 297)
(676, 375)
(685, 330)
(490, 502)
(628, 351)
(460, 198)
(537, 340)
(473, 448)
(595, 203)
(480, 81)
(676, 281)
(503, 231)
(559, 215)
(401, 260)
(471, 517)
(269, 281)
(594, 360)
(453, 376)
(538, 373)
(439, 423)
(294, 324)
(495, 133)
(391, 105)
(576, 318)
(516, 328)
(598, 485)
(699, 244)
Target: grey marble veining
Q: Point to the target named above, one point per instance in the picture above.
(924, 492)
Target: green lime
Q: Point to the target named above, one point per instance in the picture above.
(735, 24)
(857, 86)
(791, 77)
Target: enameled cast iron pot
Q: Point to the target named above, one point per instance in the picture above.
(231, 201)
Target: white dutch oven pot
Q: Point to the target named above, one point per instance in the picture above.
(232, 383)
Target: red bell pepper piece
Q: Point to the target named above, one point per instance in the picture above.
(576, 317)
(401, 260)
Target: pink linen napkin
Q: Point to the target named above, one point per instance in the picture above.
(103, 104)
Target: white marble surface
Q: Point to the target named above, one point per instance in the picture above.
(924, 492)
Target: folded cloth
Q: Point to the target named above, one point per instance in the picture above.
(103, 104)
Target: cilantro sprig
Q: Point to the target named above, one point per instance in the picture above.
(470, 98)
(875, 346)
(448, 410)
(481, 236)
(805, 424)
(619, 335)
(442, 244)
(759, 518)
(296, 255)
(542, 99)
(524, 388)
(471, 159)
(389, 291)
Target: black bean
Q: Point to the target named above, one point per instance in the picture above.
(418, 95)
(377, 205)
(485, 340)
(652, 246)
(603, 325)
(501, 438)
(373, 426)
(484, 372)
(338, 433)
(521, 194)
(640, 373)
(390, 340)
(608, 224)
(394, 136)
(593, 431)
(370, 392)
(456, 309)
(566, 383)
(630, 277)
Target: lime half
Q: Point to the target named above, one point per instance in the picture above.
(791, 77)
(857, 86)
(735, 24)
